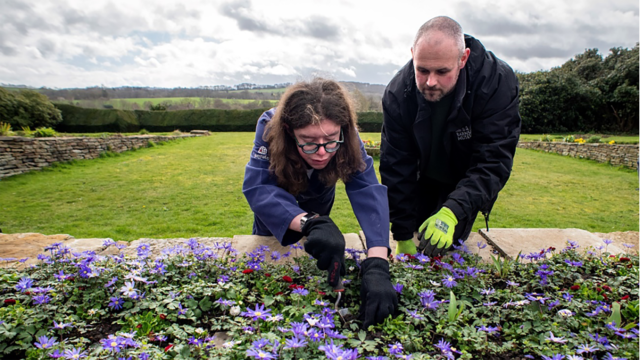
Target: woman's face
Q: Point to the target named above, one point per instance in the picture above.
(320, 134)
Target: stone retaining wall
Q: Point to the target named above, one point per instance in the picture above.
(626, 155)
(21, 154)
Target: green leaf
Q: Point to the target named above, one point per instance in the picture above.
(205, 304)
(268, 300)
(615, 314)
(452, 307)
(362, 335)
(191, 303)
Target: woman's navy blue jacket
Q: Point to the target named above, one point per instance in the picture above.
(274, 208)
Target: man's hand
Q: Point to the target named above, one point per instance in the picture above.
(326, 244)
(406, 247)
(378, 298)
(438, 231)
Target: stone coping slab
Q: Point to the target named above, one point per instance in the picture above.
(247, 243)
(473, 243)
(506, 242)
(509, 242)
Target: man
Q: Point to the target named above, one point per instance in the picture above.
(451, 125)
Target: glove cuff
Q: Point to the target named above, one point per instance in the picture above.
(374, 263)
(313, 221)
(449, 215)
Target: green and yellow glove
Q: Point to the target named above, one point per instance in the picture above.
(438, 231)
(406, 247)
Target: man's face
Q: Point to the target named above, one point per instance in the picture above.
(437, 64)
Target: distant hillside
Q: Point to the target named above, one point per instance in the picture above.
(367, 95)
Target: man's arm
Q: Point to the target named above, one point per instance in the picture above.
(399, 167)
(495, 133)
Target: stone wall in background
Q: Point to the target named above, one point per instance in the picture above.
(626, 155)
(21, 154)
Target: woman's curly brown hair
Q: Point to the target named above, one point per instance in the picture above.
(303, 104)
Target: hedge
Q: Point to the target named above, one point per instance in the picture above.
(82, 120)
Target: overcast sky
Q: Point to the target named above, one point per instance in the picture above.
(79, 43)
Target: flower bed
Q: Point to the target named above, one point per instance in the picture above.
(554, 305)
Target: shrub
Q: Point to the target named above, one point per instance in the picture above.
(5, 129)
(44, 132)
(143, 132)
(28, 108)
(593, 139)
(151, 143)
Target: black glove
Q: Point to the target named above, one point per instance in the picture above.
(378, 297)
(326, 244)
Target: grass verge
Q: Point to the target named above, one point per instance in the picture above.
(193, 188)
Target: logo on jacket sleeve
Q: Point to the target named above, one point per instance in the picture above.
(260, 153)
(464, 133)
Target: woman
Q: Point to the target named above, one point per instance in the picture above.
(301, 149)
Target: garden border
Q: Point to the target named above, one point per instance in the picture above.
(625, 155)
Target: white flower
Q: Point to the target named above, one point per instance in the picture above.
(351, 268)
(235, 310)
(129, 289)
(91, 311)
(229, 344)
(199, 331)
(436, 284)
(565, 313)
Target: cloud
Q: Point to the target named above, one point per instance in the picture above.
(249, 19)
(200, 42)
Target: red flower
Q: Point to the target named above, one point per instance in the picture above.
(321, 292)
(279, 293)
(626, 297)
(294, 286)
(139, 326)
(27, 292)
(598, 289)
(623, 259)
(267, 275)
(72, 278)
(575, 287)
(551, 248)
(163, 316)
(287, 279)
(606, 287)
(247, 271)
(10, 301)
(81, 288)
(168, 347)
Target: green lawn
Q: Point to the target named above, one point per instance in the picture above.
(193, 187)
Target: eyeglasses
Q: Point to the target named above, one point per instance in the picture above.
(312, 148)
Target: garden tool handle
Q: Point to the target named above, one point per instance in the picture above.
(339, 287)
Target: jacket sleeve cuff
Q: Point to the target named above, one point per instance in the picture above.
(455, 209)
(402, 236)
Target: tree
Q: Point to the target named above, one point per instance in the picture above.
(27, 108)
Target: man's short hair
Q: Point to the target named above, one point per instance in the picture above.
(445, 25)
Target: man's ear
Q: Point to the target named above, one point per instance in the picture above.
(464, 58)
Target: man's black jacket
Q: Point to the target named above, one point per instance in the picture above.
(480, 138)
